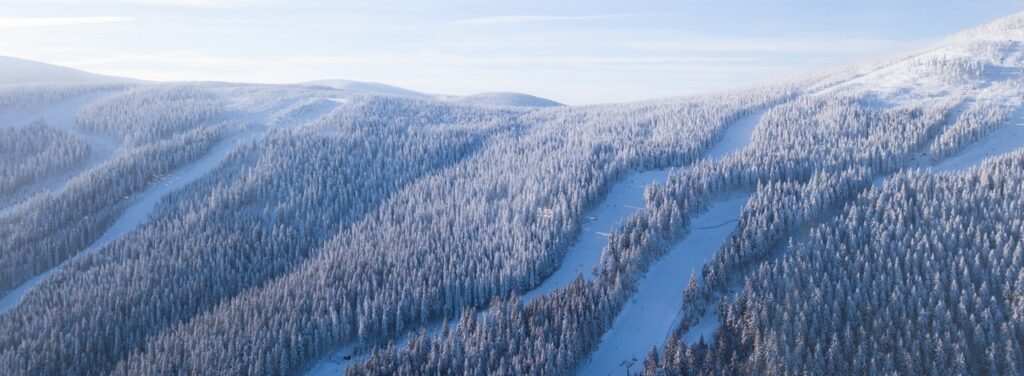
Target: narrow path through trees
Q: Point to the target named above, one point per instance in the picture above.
(139, 211)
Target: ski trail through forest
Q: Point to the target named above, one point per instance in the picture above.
(1004, 140)
(400, 233)
(61, 117)
(623, 200)
(139, 211)
(655, 307)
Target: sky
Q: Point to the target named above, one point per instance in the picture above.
(572, 51)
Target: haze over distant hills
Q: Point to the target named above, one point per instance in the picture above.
(15, 71)
(368, 88)
(865, 220)
(507, 99)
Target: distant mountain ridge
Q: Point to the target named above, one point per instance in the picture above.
(498, 99)
(507, 99)
(16, 71)
(360, 87)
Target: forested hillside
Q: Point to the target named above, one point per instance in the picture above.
(243, 229)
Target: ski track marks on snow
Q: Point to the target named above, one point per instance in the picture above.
(624, 199)
(323, 108)
(1004, 140)
(142, 206)
(336, 363)
(339, 360)
(737, 135)
(654, 309)
(60, 116)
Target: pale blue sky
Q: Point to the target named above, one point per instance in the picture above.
(574, 51)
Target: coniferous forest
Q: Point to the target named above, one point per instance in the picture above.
(245, 229)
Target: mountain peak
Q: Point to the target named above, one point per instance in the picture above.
(1007, 27)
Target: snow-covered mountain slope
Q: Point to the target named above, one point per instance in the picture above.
(15, 71)
(980, 63)
(354, 215)
(495, 99)
(369, 88)
(506, 100)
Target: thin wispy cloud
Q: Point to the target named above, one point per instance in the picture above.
(195, 59)
(517, 60)
(175, 3)
(773, 45)
(574, 50)
(181, 58)
(497, 20)
(28, 22)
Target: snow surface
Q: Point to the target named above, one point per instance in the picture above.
(737, 135)
(659, 300)
(993, 49)
(1006, 139)
(655, 309)
(296, 118)
(143, 205)
(370, 88)
(506, 100)
(624, 199)
(341, 359)
(336, 364)
(60, 116)
(15, 71)
(705, 328)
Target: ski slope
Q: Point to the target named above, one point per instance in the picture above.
(624, 199)
(654, 310)
(142, 206)
(704, 329)
(341, 359)
(60, 116)
(737, 135)
(336, 364)
(1006, 139)
(303, 112)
